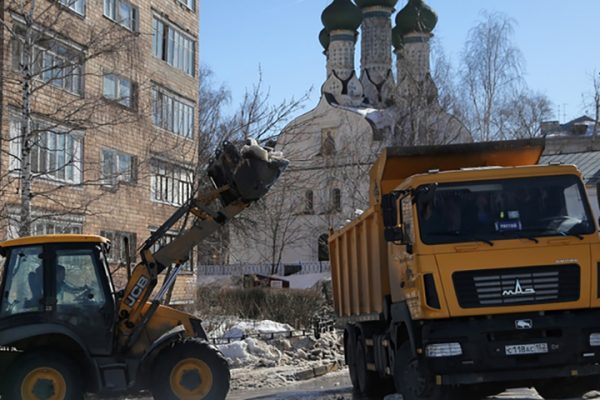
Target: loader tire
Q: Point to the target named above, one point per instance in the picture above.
(190, 370)
(43, 375)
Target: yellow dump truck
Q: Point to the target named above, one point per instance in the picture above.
(473, 270)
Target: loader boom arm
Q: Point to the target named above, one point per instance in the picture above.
(240, 178)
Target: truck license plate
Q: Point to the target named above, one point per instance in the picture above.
(534, 348)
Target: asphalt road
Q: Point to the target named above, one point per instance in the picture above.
(336, 386)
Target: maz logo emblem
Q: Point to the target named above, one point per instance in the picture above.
(518, 290)
(524, 324)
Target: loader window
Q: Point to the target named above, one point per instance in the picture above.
(77, 281)
(505, 209)
(23, 289)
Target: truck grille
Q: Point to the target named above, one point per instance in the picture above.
(517, 286)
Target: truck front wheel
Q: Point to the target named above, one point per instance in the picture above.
(414, 382)
(190, 370)
(566, 388)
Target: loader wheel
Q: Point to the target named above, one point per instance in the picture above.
(43, 376)
(190, 370)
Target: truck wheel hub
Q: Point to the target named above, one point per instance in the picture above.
(191, 379)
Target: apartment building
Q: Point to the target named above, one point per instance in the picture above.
(112, 89)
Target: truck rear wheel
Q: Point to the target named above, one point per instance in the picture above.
(190, 370)
(414, 382)
(368, 381)
(45, 375)
(350, 352)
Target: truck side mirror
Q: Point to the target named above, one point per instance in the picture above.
(392, 231)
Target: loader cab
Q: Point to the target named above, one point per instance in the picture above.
(59, 280)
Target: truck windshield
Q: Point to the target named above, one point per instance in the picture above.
(504, 209)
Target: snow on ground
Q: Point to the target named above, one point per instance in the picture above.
(267, 357)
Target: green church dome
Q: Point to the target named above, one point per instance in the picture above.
(397, 38)
(324, 38)
(371, 3)
(341, 14)
(416, 17)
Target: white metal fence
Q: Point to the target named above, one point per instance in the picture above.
(313, 267)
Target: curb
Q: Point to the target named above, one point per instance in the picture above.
(316, 372)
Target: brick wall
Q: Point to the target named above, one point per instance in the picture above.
(129, 207)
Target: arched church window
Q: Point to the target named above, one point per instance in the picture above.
(309, 202)
(328, 142)
(323, 247)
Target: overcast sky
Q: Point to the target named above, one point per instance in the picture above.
(559, 39)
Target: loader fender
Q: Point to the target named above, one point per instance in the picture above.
(24, 336)
(145, 365)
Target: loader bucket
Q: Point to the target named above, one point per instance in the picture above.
(249, 173)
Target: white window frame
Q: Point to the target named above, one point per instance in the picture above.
(77, 6)
(190, 4)
(117, 253)
(170, 183)
(118, 84)
(54, 139)
(64, 71)
(112, 10)
(188, 266)
(173, 46)
(172, 112)
(118, 173)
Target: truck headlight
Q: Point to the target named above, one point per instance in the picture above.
(595, 339)
(444, 350)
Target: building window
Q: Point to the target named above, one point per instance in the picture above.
(170, 183)
(172, 112)
(117, 167)
(309, 202)
(53, 62)
(328, 142)
(55, 153)
(191, 4)
(173, 46)
(168, 238)
(118, 252)
(53, 226)
(118, 89)
(76, 5)
(123, 13)
(336, 200)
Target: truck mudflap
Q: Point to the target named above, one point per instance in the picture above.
(513, 347)
(248, 173)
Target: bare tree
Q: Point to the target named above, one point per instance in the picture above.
(258, 118)
(491, 72)
(522, 116)
(593, 100)
(44, 85)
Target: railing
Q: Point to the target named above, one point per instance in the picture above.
(312, 267)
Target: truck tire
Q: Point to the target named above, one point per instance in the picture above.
(192, 370)
(43, 375)
(414, 382)
(368, 381)
(350, 352)
(566, 388)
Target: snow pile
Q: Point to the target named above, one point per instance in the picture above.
(268, 354)
(245, 328)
